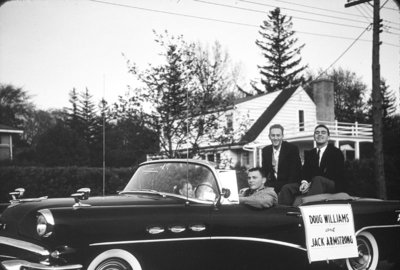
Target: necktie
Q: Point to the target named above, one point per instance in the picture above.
(319, 158)
(274, 164)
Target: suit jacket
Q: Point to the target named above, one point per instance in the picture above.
(331, 167)
(289, 165)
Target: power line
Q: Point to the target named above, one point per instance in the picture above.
(368, 18)
(220, 21)
(258, 11)
(171, 13)
(263, 12)
(303, 11)
(327, 10)
(318, 8)
(344, 52)
(296, 10)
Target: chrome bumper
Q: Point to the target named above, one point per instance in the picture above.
(18, 264)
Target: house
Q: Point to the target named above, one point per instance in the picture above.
(6, 144)
(294, 109)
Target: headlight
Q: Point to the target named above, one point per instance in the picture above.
(44, 223)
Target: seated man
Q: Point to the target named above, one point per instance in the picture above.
(322, 172)
(257, 194)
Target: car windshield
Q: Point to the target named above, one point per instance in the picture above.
(183, 179)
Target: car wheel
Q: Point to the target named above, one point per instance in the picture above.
(115, 259)
(368, 253)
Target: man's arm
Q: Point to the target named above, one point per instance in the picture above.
(294, 165)
(262, 199)
(266, 161)
(306, 169)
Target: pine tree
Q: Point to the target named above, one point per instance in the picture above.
(278, 44)
(74, 119)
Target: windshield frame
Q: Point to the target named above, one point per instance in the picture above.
(203, 165)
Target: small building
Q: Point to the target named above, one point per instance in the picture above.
(6, 141)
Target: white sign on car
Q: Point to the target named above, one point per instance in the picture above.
(329, 232)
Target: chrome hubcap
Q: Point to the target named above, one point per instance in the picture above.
(114, 264)
(365, 255)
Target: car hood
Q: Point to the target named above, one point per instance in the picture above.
(20, 218)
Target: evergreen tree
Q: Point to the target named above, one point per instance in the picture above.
(88, 117)
(74, 119)
(389, 105)
(278, 44)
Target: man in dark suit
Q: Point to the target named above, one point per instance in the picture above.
(322, 172)
(280, 160)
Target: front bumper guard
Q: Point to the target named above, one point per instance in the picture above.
(21, 264)
(13, 263)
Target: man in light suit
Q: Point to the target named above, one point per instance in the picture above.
(280, 160)
(322, 172)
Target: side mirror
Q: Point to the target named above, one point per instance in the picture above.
(226, 192)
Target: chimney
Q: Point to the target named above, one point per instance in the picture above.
(324, 100)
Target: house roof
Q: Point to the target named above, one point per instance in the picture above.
(268, 115)
(241, 100)
(8, 129)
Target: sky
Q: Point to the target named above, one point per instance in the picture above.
(49, 47)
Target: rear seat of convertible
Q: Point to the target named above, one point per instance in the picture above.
(302, 199)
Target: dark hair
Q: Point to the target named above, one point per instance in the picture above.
(322, 126)
(276, 126)
(257, 169)
(180, 185)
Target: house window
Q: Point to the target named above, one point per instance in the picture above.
(229, 122)
(301, 120)
(210, 157)
(245, 158)
(218, 156)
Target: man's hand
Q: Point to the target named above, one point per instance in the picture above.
(304, 187)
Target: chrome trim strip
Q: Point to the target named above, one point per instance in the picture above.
(270, 241)
(377, 227)
(24, 245)
(261, 240)
(18, 264)
(149, 241)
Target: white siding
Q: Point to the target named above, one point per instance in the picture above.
(288, 116)
(254, 107)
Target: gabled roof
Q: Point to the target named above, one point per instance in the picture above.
(8, 129)
(268, 115)
(244, 99)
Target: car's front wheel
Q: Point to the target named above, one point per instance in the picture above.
(114, 259)
(368, 253)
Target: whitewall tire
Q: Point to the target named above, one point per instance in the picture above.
(368, 253)
(115, 259)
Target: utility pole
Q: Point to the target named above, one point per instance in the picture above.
(379, 166)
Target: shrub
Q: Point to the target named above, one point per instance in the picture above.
(61, 181)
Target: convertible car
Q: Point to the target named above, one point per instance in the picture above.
(185, 214)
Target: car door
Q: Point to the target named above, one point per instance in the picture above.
(179, 238)
(243, 237)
